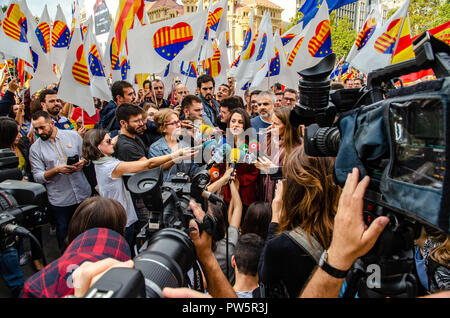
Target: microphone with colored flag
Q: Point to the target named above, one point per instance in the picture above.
(235, 156)
(219, 154)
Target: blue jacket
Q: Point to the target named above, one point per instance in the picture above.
(108, 114)
(209, 114)
(6, 103)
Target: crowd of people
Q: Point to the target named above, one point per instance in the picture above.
(270, 241)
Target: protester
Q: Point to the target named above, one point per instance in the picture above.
(82, 118)
(169, 125)
(130, 147)
(150, 134)
(226, 107)
(9, 98)
(245, 263)
(306, 207)
(279, 99)
(66, 185)
(289, 97)
(206, 84)
(157, 92)
(223, 91)
(358, 82)
(348, 83)
(266, 101)
(52, 104)
(98, 146)
(17, 112)
(122, 92)
(180, 92)
(254, 103)
(192, 106)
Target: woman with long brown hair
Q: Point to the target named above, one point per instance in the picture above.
(306, 206)
(281, 141)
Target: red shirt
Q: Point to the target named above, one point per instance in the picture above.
(247, 176)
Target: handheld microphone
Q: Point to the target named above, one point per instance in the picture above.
(219, 154)
(235, 155)
(206, 130)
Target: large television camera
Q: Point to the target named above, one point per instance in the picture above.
(397, 136)
(165, 251)
(22, 204)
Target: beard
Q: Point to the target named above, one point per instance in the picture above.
(46, 136)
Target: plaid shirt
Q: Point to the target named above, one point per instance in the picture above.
(55, 280)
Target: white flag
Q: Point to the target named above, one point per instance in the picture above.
(111, 57)
(13, 33)
(75, 81)
(288, 36)
(266, 51)
(251, 59)
(277, 71)
(99, 84)
(39, 41)
(218, 65)
(378, 49)
(60, 40)
(313, 43)
(167, 41)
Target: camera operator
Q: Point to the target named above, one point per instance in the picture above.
(306, 211)
(218, 285)
(56, 279)
(351, 238)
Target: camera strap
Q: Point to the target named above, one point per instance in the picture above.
(310, 244)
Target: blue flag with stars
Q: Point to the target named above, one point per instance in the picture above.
(310, 8)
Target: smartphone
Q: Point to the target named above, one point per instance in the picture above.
(73, 160)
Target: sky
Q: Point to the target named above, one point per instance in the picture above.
(37, 6)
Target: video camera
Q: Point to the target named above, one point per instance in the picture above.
(396, 136)
(20, 202)
(166, 252)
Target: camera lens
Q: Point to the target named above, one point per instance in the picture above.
(166, 261)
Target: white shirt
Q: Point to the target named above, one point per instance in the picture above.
(114, 188)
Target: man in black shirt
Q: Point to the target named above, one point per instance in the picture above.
(130, 147)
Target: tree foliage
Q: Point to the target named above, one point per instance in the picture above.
(343, 35)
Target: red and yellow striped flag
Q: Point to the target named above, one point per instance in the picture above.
(404, 49)
(125, 18)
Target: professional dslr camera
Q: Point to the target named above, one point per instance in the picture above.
(165, 250)
(20, 202)
(396, 136)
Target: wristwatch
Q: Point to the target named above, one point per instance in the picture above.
(330, 270)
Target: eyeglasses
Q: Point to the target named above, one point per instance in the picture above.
(178, 122)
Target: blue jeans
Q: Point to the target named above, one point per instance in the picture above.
(10, 269)
(63, 215)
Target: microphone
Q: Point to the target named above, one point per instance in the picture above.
(235, 156)
(219, 154)
(206, 130)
